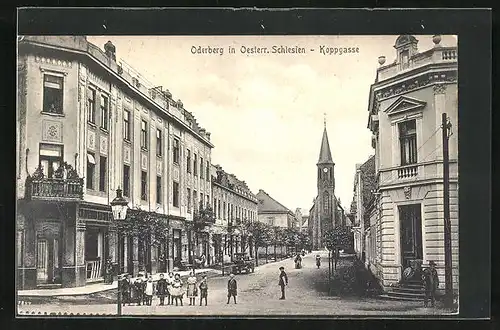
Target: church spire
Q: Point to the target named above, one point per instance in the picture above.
(325, 155)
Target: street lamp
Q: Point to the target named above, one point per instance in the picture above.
(119, 206)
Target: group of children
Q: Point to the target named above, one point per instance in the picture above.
(141, 292)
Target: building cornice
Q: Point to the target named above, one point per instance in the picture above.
(121, 81)
(215, 183)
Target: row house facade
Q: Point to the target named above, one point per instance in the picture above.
(88, 125)
(233, 204)
(405, 223)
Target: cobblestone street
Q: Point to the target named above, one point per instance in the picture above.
(258, 294)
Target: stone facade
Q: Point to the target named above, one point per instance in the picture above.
(78, 106)
(405, 108)
(233, 202)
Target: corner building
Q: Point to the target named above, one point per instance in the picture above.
(86, 126)
(406, 103)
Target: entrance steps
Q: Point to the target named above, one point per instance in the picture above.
(412, 290)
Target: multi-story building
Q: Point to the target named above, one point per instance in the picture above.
(86, 126)
(363, 195)
(233, 202)
(273, 213)
(406, 104)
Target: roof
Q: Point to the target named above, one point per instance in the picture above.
(269, 204)
(325, 155)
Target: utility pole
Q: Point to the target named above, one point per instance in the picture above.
(446, 127)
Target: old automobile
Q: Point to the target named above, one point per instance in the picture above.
(243, 262)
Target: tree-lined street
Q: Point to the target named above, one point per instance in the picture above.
(258, 294)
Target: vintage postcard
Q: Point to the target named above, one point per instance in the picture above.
(237, 175)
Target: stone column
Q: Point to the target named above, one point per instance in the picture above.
(135, 256)
(81, 267)
(211, 249)
(28, 269)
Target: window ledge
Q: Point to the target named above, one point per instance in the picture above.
(92, 124)
(144, 149)
(104, 130)
(127, 141)
(159, 156)
(52, 114)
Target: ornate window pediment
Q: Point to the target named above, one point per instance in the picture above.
(405, 104)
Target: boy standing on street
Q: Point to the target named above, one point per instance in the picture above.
(161, 289)
(203, 289)
(232, 288)
(283, 282)
(431, 282)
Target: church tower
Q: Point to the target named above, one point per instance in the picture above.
(326, 201)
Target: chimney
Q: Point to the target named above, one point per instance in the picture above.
(110, 50)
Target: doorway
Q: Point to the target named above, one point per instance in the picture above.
(177, 247)
(47, 261)
(411, 233)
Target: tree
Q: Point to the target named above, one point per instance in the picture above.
(260, 232)
(338, 238)
(147, 227)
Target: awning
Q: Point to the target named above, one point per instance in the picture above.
(90, 159)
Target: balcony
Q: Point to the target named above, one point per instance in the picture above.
(65, 185)
(408, 171)
(55, 189)
(204, 217)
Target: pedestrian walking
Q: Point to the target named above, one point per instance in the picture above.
(161, 289)
(176, 291)
(431, 282)
(283, 281)
(149, 290)
(318, 260)
(232, 288)
(298, 261)
(192, 289)
(170, 281)
(203, 289)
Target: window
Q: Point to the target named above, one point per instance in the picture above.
(195, 199)
(50, 158)
(326, 202)
(195, 165)
(90, 170)
(126, 125)
(189, 200)
(405, 59)
(144, 135)
(144, 184)
(103, 166)
(408, 142)
(126, 180)
(176, 151)
(159, 143)
(158, 189)
(104, 112)
(188, 161)
(224, 210)
(270, 220)
(215, 207)
(201, 168)
(176, 194)
(202, 197)
(208, 171)
(91, 105)
(52, 94)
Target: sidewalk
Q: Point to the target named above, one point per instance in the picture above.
(96, 287)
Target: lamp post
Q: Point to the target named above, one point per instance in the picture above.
(119, 206)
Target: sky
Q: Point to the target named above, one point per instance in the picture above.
(266, 111)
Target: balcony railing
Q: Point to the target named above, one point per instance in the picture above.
(52, 188)
(408, 171)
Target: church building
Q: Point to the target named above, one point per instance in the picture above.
(323, 214)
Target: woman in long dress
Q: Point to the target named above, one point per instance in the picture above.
(175, 289)
(191, 290)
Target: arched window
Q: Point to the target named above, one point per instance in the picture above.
(326, 202)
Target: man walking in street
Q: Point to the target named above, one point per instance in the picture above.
(283, 282)
(431, 282)
(232, 288)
